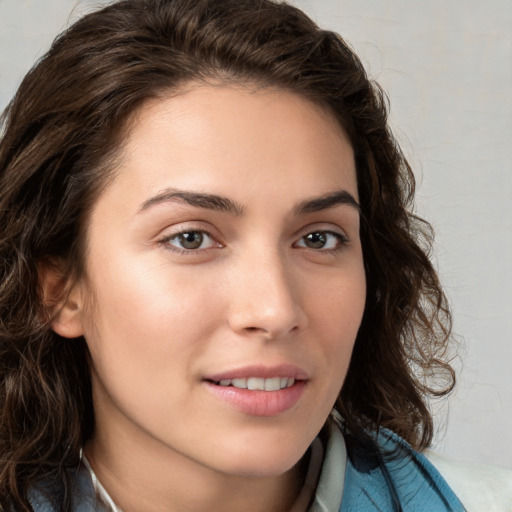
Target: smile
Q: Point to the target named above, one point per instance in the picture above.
(260, 400)
(258, 383)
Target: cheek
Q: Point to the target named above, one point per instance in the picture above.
(144, 336)
(145, 317)
(339, 301)
(336, 312)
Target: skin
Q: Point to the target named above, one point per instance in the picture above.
(268, 285)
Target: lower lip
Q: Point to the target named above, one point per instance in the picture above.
(259, 403)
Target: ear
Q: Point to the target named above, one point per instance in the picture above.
(61, 299)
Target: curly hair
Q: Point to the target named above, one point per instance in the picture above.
(61, 135)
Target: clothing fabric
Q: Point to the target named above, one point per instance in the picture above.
(382, 474)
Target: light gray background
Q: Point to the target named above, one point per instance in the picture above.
(447, 67)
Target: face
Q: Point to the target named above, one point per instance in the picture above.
(224, 280)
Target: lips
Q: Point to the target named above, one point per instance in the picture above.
(260, 371)
(259, 390)
(259, 383)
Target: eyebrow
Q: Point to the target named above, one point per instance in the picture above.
(327, 201)
(197, 199)
(226, 205)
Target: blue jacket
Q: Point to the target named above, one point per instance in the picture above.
(391, 476)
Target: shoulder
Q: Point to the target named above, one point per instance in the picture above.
(386, 473)
(47, 496)
(479, 487)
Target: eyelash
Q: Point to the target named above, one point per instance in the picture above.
(342, 240)
(184, 251)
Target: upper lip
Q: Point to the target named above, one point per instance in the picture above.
(261, 371)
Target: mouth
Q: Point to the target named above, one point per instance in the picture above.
(257, 383)
(259, 390)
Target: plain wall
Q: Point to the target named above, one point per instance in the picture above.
(447, 68)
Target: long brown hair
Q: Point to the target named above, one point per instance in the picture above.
(62, 132)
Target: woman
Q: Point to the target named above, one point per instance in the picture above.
(214, 296)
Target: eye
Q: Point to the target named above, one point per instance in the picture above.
(190, 241)
(322, 241)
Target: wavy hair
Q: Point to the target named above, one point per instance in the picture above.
(61, 135)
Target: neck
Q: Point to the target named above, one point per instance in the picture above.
(150, 477)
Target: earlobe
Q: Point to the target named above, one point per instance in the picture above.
(62, 301)
(67, 320)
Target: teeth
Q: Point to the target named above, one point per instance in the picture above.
(256, 383)
(239, 383)
(259, 384)
(272, 384)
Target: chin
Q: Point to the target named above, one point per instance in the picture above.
(269, 468)
(262, 460)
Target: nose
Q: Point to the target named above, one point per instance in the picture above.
(265, 298)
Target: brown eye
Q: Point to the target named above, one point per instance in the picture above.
(322, 240)
(315, 240)
(191, 240)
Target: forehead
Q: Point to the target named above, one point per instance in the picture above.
(238, 141)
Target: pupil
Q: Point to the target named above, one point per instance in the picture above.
(191, 240)
(315, 240)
